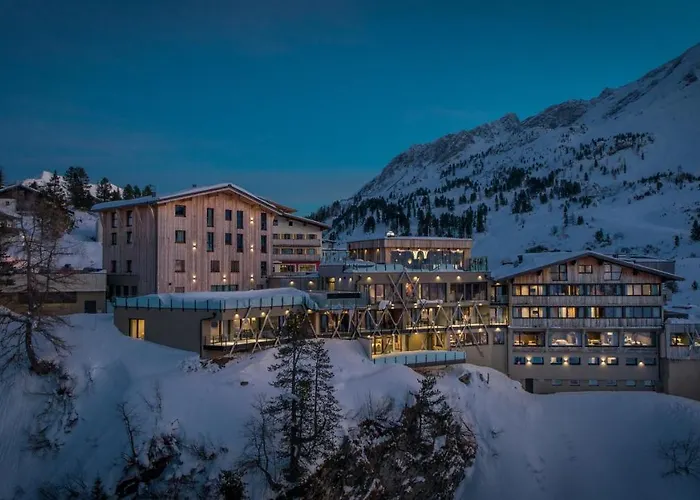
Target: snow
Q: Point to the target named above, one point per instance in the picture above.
(581, 445)
(271, 297)
(45, 177)
(111, 205)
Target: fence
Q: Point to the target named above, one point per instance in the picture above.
(422, 358)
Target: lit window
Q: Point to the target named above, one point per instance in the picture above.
(556, 360)
(137, 328)
(593, 383)
(611, 361)
(631, 383)
(556, 381)
(594, 360)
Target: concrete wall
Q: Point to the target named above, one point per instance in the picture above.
(178, 329)
(681, 377)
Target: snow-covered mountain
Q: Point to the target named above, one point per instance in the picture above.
(620, 172)
(45, 177)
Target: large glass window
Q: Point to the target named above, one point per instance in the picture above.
(263, 222)
(602, 339)
(564, 339)
(639, 339)
(528, 339)
(210, 217)
(137, 328)
(239, 243)
(432, 291)
(558, 272)
(210, 242)
(239, 219)
(523, 290)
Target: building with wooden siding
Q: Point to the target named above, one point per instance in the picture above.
(211, 238)
(584, 321)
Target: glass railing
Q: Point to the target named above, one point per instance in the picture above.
(421, 358)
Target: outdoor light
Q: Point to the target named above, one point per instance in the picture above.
(309, 311)
(224, 279)
(262, 314)
(311, 283)
(194, 276)
(459, 277)
(236, 315)
(252, 279)
(480, 277)
(251, 218)
(194, 243)
(286, 311)
(602, 362)
(291, 283)
(641, 363)
(437, 278)
(369, 278)
(251, 275)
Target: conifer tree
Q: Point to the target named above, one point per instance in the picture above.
(54, 192)
(104, 190)
(147, 190)
(137, 191)
(78, 187)
(128, 193)
(695, 231)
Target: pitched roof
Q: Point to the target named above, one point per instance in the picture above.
(20, 186)
(537, 261)
(305, 220)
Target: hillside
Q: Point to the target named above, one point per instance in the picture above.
(45, 177)
(530, 446)
(625, 165)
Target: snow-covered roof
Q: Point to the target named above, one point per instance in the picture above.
(221, 301)
(20, 186)
(186, 193)
(535, 261)
(371, 267)
(305, 220)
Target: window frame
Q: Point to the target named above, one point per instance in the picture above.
(180, 210)
(183, 233)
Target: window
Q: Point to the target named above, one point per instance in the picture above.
(529, 312)
(299, 251)
(179, 289)
(239, 243)
(298, 236)
(210, 217)
(565, 312)
(595, 360)
(114, 238)
(129, 237)
(113, 266)
(593, 383)
(611, 361)
(310, 251)
(134, 290)
(307, 268)
(128, 266)
(522, 290)
(564, 339)
(312, 236)
(287, 251)
(180, 236)
(556, 360)
(611, 383)
(574, 383)
(263, 222)
(275, 222)
(631, 361)
(639, 339)
(228, 214)
(585, 269)
(631, 383)
(179, 266)
(537, 360)
(180, 211)
(215, 266)
(611, 272)
(556, 381)
(137, 328)
(291, 224)
(210, 242)
(113, 217)
(263, 269)
(574, 360)
(263, 243)
(224, 288)
(129, 218)
(239, 219)
(642, 312)
(650, 361)
(286, 236)
(275, 236)
(649, 383)
(519, 360)
(602, 339)
(558, 272)
(228, 239)
(235, 266)
(528, 339)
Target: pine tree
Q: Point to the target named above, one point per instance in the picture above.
(676, 240)
(137, 191)
(116, 195)
(128, 193)
(104, 190)
(481, 212)
(78, 186)
(566, 216)
(98, 491)
(54, 192)
(370, 225)
(148, 191)
(325, 416)
(695, 231)
(431, 415)
(579, 220)
(694, 286)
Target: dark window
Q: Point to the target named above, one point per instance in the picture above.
(263, 243)
(114, 219)
(574, 360)
(585, 269)
(210, 242)
(114, 238)
(210, 217)
(179, 266)
(594, 360)
(558, 272)
(239, 243)
(134, 290)
(263, 222)
(537, 360)
(228, 214)
(52, 298)
(650, 361)
(611, 272)
(239, 219)
(519, 360)
(228, 239)
(263, 269)
(275, 222)
(631, 361)
(129, 218)
(128, 266)
(180, 211)
(179, 289)
(235, 266)
(215, 266)
(129, 237)
(299, 236)
(113, 266)
(180, 236)
(291, 224)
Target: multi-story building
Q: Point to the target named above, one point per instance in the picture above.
(296, 243)
(211, 238)
(583, 321)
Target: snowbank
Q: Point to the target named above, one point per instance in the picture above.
(598, 445)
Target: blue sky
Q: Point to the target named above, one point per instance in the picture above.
(302, 101)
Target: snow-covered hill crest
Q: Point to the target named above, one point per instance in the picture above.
(45, 177)
(626, 163)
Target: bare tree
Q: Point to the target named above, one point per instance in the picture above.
(260, 451)
(681, 456)
(33, 279)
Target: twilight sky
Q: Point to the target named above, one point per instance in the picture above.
(302, 101)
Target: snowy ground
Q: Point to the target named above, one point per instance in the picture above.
(601, 445)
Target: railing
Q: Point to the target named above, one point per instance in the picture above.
(422, 358)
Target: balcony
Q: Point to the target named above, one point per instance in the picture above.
(277, 257)
(417, 359)
(297, 243)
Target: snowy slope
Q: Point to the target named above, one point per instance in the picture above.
(613, 146)
(600, 445)
(45, 177)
